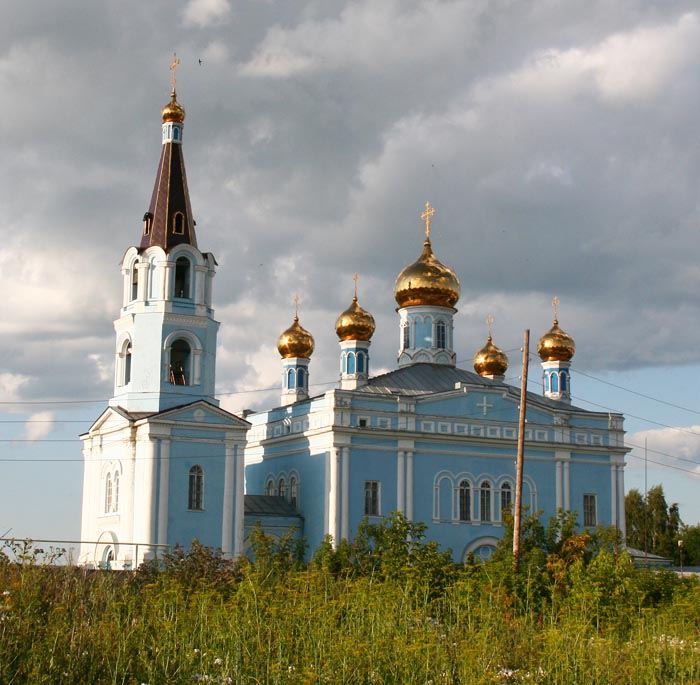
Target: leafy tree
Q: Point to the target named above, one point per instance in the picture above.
(652, 524)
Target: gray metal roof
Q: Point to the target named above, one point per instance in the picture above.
(267, 505)
(426, 379)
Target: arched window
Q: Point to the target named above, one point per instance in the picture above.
(344, 363)
(134, 281)
(465, 501)
(180, 363)
(546, 382)
(406, 333)
(440, 335)
(127, 363)
(115, 492)
(293, 491)
(153, 279)
(301, 378)
(108, 493)
(485, 501)
(291, 379)
(147, 223)
(563, 382)
(555, 382)
(179, 223)
(506, 498)
(195, 498)
(351, 363)
(182, 278)
(360, 362)
(270, 487)
(281, 488)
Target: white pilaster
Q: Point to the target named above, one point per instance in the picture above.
(164, 491)
(401, 481)
(345, 515)
(333, 492)
(409, 486)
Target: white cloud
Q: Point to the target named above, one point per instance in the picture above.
(206, 12)
(677, 446)
(10, 385)
(370, 35)
(39, 425)
(629, 66)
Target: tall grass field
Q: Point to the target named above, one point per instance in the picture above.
(388, 608)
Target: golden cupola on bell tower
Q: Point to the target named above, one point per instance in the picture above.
(354, 328)
(295, 345)
(556, 349)
(426, 292)
(491, 361)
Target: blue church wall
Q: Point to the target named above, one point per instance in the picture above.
(275, 526)
(184, 524)
(371, 465)
(310, 469)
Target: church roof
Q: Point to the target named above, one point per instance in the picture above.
(268, 505)
(425, 379)
(170, 213)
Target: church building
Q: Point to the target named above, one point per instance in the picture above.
(164, 464)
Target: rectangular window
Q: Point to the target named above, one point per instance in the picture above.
(590, 510)
(372, 498)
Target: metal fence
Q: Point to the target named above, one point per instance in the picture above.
(103, 554)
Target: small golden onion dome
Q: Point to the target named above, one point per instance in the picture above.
(355, 323)
(555, 345)
(295, 342)
(173, 111)
(490, 360)
(427, 282)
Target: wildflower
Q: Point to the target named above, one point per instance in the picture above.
(196, 651)
(5, 593)
(218, 661)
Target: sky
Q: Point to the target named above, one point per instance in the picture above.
(557, 141)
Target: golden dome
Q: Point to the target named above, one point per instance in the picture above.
(295, 342)
(173, 111)
(490, 360)
(556, 345)
(427, 281)
(355, 323)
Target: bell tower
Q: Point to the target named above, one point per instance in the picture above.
(166, 333)
(426, 293)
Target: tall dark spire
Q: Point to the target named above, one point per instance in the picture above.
(169, 221)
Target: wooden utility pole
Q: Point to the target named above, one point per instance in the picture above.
(517, 512)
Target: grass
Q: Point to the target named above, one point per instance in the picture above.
(203, 619)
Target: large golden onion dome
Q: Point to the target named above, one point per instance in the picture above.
(355, 323)
(556, 345)
(173, 111)
(295, 342)
(490, 360)
(427, 281)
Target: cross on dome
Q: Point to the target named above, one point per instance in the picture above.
(555, 306)
(173, 68)
(489, 322)
(427, 216)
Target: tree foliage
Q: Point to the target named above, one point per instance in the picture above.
(653, 525)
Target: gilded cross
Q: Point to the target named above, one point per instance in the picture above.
(173, 68)
(296, 306)
(489, 321)
(555, 305)
(427, 216)
(484, 405)
(354, 278)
